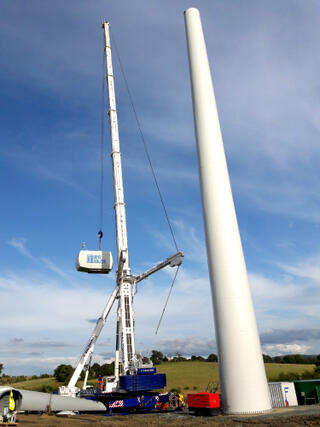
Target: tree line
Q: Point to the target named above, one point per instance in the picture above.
(158, 357)
(303, 359)
(63, 373)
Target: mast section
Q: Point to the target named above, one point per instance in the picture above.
(119, 205)
(124, 279)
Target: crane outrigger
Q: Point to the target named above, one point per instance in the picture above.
(130, 373)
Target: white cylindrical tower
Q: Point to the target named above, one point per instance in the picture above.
(242, 375)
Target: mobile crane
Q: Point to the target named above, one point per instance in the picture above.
(131, 375)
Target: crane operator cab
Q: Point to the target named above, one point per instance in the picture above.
(100, 262)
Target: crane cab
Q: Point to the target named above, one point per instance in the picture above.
(98, 262)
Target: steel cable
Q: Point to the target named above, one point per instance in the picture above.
(145, 145)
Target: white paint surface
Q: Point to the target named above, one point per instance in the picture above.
(242, 376)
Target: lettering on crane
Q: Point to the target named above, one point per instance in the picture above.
(95, 259)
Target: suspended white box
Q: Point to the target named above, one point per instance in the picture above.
(100, 262)
(283, 394)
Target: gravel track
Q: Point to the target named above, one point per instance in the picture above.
(294, 416)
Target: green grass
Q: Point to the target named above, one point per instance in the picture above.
(195, 376)
(273, 369)
(37, 384)
(43, 384)
(188, 377)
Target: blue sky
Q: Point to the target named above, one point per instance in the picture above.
(265, 64)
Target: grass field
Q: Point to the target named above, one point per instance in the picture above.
(197, 375)
(184, 376)
(189, 375)
(273, 369)
(37, 384)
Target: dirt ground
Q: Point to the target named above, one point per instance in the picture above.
(295, 416)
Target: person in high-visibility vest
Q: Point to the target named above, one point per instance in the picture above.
(100, 382)
(12, 403)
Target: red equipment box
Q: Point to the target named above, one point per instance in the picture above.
(203, 402)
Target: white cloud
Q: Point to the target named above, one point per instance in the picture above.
(265, 289)
(34, 364)
(19, 243)
(280, 349)
(289, 336)
(31, 364)
(305, 269)
(188, 346)
(51, 266)
(284, 303)
(42, 304)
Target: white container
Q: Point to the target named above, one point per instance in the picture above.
(94, 261)
(283, 394)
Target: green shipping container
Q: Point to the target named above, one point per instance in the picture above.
(308, 391)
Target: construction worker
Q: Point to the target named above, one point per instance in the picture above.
(12, 403)
(10, 416)
(100, 382)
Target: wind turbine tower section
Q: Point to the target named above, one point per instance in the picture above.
(242, 375)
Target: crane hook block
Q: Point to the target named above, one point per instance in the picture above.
(98, 262)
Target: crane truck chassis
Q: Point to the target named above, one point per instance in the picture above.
(132, 402)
